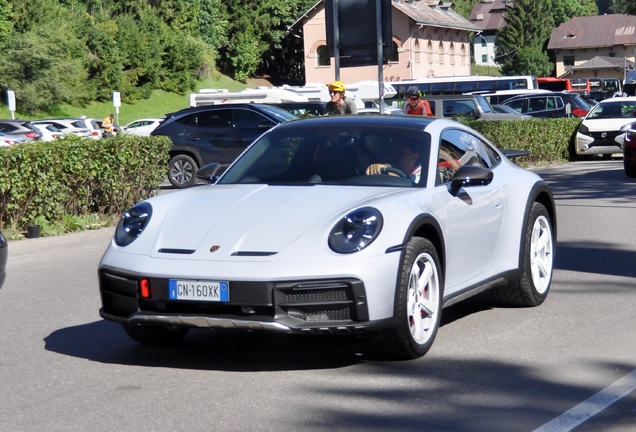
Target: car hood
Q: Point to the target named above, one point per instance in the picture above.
(606, 125)
(252, 220)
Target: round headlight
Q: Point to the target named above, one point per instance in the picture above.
(356, 230)
(132, 224)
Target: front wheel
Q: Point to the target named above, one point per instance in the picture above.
(630, 168)
(155, 335)
(419, 302)
(182, 171)
(537, 263)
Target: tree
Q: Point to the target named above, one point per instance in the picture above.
(564, 10)
(529, 24)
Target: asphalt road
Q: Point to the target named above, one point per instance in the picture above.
(491, 369)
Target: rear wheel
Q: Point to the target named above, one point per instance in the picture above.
(182, 171)
(419, 303)
(537, 262)
(155, 335)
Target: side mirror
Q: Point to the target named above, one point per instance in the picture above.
(476, 114)
(207, 173)
(470, 175)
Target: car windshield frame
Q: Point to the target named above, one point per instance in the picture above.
(298, 155)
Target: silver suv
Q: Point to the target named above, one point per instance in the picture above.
(472, 105)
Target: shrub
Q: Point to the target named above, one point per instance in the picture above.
(54, 181)
(547, 140)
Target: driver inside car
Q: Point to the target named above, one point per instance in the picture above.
(404, 157)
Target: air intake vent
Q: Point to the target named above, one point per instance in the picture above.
(320, 316)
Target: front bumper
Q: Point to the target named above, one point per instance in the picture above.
(596, 143)
(332, 306)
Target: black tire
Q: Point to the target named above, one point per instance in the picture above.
(182, 171)
(630, 168)
(538, 264)
(408, 340)
(155, 335)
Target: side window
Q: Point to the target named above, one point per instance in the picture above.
(221, 118)
(459, 148)
(537, 104)
(552, 103)
(245, 119)
(452, 108)
(516, 105)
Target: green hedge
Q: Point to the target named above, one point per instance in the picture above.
(547, 139)
(73, 176)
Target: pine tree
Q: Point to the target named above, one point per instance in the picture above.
(529, 24)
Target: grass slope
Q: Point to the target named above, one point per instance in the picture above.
(159, 104)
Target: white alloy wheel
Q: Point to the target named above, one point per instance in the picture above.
(541, 254)
(423, 299)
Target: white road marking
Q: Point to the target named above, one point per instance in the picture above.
(595, 404)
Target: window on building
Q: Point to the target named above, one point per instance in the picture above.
(416, 48)
(429, 50)
(395, 56)
(484, 43)
(568, 60)
(484, 58)
(440, 51)
(463, 55)
(452, 53)
(323, 56)
(612, 54)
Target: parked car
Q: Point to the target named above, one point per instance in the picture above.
(74, 126)
(49, 132)
(9, 140)
(295, 237)
(20, 128)
(507, 110)
(302, 109)
(473, 105)
(141, 127)
(629, 150)
(556, 104)
(213, 133)
(600, 131)
(499, 96)
(4, 253)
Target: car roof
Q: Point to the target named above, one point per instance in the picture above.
(370, 119)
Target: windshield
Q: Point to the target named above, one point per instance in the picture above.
(483, 103)
(278, 113)
(613, 109)
(302, 155)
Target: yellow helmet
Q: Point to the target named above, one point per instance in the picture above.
(337, 86)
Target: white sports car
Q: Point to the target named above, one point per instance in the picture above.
(317, 228)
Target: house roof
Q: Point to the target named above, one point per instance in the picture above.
(601, 62)
(489, 15)
(432, 13)
(594, 32)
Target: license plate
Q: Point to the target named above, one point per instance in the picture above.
(216, 291)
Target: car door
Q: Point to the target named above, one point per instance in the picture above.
(247, 126)
(474, 216)
(210, 134)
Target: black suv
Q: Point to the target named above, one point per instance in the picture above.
(213, 133)
(549, 105)
(20, 128)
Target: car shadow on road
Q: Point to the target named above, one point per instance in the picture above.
(595, 257)
(229, 350)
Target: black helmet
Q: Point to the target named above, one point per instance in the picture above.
(413, 91)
